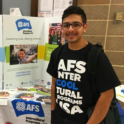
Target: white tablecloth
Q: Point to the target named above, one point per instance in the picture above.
(18, 115)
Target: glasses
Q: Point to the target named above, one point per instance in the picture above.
(75, 25)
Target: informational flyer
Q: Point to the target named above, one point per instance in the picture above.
(45, 8)
(45, 5)
(1, 52)
(23, 41)
(60, 6)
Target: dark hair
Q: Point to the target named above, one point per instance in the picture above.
(60, 33)
(22, 50)
(75, 10)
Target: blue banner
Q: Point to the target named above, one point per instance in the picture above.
(22, 107)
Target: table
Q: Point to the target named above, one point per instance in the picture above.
(19, 111)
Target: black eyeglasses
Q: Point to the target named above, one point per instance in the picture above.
(75, 25)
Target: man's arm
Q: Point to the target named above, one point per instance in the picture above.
(101, 107)
(53, 99)
(31, 58)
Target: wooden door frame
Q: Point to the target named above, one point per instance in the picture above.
(34, 7)
(75, 2)
(0, 6)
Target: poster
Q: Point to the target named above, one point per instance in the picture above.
(52, 27)
(23, 41)
(28, 43)
(1, 52)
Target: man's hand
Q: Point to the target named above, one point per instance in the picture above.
(101, 107)
(31, 58)
(35, 55)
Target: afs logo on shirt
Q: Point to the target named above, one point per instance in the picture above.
(23, 24)
(22, 107)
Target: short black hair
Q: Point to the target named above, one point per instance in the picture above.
(22, 50)
(75, 10)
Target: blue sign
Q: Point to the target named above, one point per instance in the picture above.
(22, 107)
(122, 91)
(48, 83)
(23, 24)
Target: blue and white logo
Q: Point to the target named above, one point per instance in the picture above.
(48, 83)
(122, 91)
(23, 24)
(22, 107)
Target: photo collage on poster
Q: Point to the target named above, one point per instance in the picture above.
(55, 34)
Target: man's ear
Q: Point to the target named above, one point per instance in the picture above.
(85, 28)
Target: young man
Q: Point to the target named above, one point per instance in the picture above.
(71, 90)
(23, 60)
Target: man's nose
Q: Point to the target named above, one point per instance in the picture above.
(70, 28)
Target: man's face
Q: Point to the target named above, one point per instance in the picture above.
(55, 30)
(21, 55)
(73, 35)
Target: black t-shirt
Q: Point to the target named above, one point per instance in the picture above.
(73, 87)
(51, 39)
